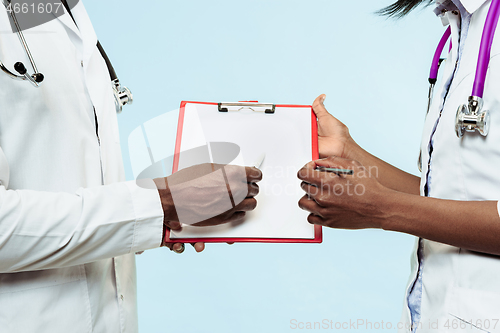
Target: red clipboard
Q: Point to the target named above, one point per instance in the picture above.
(318, 232)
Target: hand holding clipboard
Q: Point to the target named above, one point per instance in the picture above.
(288, 136)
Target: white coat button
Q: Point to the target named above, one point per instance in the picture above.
(82, 63)
(121, 297)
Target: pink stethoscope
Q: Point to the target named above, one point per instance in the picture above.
(471, 116)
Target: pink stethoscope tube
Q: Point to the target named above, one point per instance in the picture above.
(437, 55)
(484, 50)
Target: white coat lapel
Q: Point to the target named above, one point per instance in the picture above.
(67, 21)
(87, 33)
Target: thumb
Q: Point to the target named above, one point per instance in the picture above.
(319, 108)
(328, 125)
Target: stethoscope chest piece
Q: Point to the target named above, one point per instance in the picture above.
(123, 95)
(471, 117)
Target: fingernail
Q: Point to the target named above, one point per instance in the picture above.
(323, 99)
(180, 248)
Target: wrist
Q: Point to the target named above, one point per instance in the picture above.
(391, 206)
(167, 202)
(401, 211)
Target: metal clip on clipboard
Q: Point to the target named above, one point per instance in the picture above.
(257, 107)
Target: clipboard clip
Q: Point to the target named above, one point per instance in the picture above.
(256, 107)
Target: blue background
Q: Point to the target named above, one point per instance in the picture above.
(374, 72)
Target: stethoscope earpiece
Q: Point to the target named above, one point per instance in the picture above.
(38, 77)
(123, 95)
(20, 68)
(470, 117)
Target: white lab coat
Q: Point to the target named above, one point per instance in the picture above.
(67, 243)
(459, 285)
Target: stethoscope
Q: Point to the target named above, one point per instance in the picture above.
(470, 116)
(122, 95)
